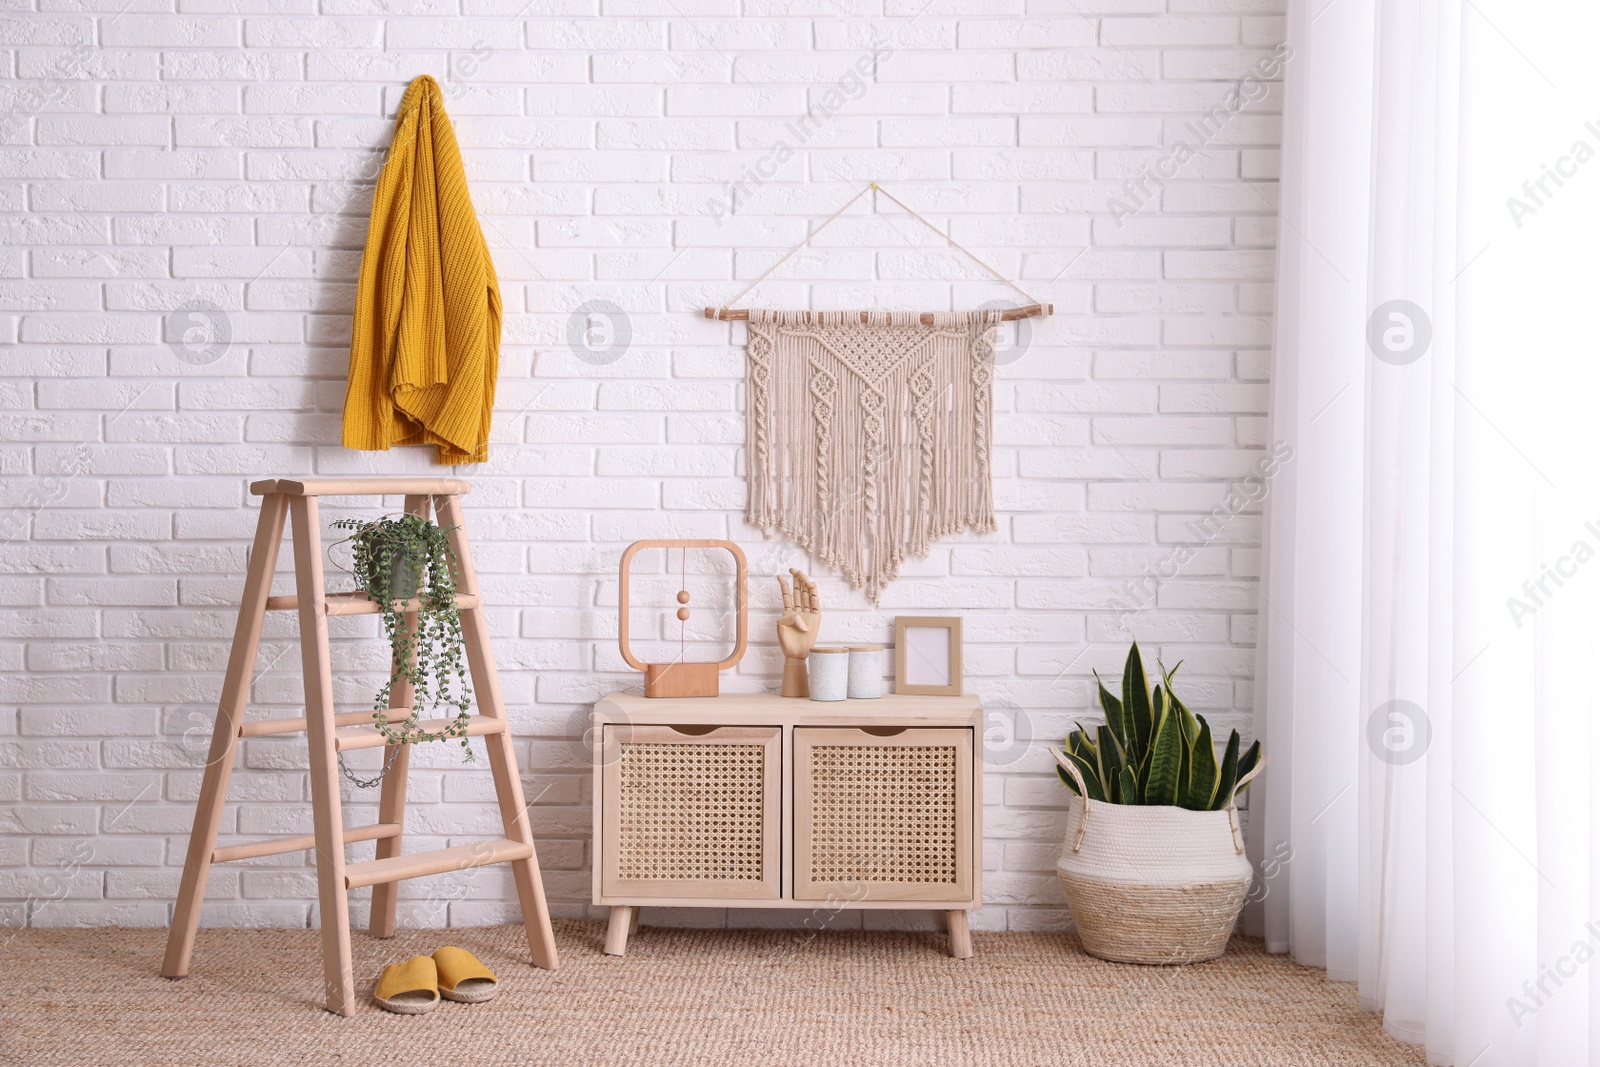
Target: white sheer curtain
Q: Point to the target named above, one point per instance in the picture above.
(1427, 663)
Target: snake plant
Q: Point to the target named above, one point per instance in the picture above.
(1153, 750)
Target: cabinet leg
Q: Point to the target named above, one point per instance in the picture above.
(633, 923)
(960, 935)
(617, 930)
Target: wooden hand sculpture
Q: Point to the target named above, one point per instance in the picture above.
(798, 627)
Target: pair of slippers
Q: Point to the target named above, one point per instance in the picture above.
(414, 986)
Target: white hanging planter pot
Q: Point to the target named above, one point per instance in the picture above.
(1153, 884)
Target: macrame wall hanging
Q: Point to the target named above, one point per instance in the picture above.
(868, 432)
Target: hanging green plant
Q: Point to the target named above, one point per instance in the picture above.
(400, 562)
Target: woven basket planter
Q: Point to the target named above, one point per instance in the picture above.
(1156, 884)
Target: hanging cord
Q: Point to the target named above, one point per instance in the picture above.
(809, 238)
(908, 210)
(958, 246)
(683, 582)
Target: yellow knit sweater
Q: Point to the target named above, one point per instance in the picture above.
(425, 342)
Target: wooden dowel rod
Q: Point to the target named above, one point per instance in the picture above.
(279, 845)
(270, 727)
(369, 737)
(361, 604)
(1027, 311)
(441, 861)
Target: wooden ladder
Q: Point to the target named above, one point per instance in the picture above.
(329, 734)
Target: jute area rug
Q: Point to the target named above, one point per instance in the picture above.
(743, 998)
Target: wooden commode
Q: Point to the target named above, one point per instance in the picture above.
(781, 802)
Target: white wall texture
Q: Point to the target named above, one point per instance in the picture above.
(157, 161)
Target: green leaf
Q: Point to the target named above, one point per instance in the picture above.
(1202, 771)
(1186, 758)
(1136, 699)
(1101, 736)
(1117, 746)
(1131, 750)
(1248, 762)
(1090, 777)
(1166, 754)
(1083, 746)
(1228, 775)
(1089, 748)
(1110, 763)
(1191, 725)
(1128, 788)
(1112, 708)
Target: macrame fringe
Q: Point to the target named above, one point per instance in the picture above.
(868, 441)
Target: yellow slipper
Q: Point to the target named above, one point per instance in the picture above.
(462, 978)
(410, 987)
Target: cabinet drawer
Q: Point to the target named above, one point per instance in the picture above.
(690, 812)
(883, 816)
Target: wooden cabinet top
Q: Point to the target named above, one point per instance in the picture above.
(769, 709)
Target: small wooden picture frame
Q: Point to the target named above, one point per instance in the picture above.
(927, 655)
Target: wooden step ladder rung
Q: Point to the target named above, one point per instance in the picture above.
(369, 737)
(361, 604)
(440, 861)
(270, 727)
(278, 845)
(361, 487)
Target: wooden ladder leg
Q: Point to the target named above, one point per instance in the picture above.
(391, 809)
(327, 819)
(225, 735)
(392, 797)
(502, 755)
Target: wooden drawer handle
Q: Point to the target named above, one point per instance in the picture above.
(884, 731)
(695, 731)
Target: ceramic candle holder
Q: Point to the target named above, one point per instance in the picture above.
(866, 672)
(828, 673)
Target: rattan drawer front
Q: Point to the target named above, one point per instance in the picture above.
(692, 814)
(883, 818)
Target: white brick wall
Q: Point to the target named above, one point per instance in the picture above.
(223, 154)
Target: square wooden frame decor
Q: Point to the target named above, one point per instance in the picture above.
(915, 681)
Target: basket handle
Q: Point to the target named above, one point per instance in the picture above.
(1233, 810)
(1083, 792)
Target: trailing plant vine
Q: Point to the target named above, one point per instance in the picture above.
(398, 560)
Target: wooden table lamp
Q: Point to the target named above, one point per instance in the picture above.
(681, 678)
